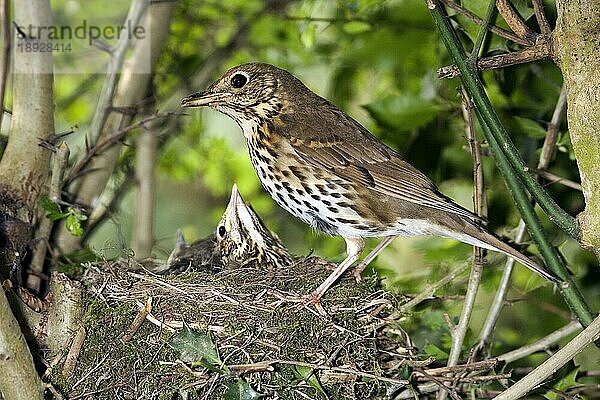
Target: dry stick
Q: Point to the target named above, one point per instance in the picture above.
(61, 157)
(429, 290)
(551, 365)
(539, 51)
(494, 29)
(514, 20)
(460, 330)
(137, 321)
(4, 20)
(538, 8)
(115, 64)
(544, 161)
(73, 355)
(553, 178)
(542, 344)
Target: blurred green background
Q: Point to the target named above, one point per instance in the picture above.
(377, 60)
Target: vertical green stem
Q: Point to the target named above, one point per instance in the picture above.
(489, 117)
(513, 169)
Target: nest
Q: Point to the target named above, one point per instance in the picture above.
(277, 347)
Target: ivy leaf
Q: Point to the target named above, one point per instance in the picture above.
(197, 349)
(241, 390)
(404, 112)
(307, 374)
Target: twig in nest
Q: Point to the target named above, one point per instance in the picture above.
(137, 321)
(73, 355)
(540, 51)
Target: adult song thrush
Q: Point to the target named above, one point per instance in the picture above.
(325, 168)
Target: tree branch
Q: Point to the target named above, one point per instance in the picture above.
(539, 51)
(551, 365)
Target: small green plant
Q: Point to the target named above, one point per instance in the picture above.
(73, 218)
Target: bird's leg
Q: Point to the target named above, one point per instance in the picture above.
(354, 247)
(371, 256)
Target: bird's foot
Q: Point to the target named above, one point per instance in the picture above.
(357, 271)
(304, 301)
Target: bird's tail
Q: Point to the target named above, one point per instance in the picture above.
(477, 236)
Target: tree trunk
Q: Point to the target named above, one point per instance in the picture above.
(578, 54)
(24, 165)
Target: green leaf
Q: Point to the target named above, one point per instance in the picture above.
(307, 375)
(73, 224)
(404, 112)
(530, 127)
(197, 349)
(568, 382)
(356, 27)
(50, 206)
(54, 211)
(307, 37)
(241, 390)
(433, 350)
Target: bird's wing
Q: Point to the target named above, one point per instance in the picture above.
(361, 158)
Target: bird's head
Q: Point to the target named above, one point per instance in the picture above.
(248, 92)
(243, 239)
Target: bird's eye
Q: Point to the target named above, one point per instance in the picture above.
(222, 232)
(238, 80)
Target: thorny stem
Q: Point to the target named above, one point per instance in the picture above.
(514, 171)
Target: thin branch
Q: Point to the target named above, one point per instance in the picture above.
(460, 331)
(514, 20)
(115, 64)
(145, 179)
(491, 11)
(494, 29)
(4, 20)
(61, 157)
(553, 178)
(430, 289)
(538, 9)
(111, 140)
(73, 355)
(543, 163)
(540, 51)
(542, 344)
(551, 365)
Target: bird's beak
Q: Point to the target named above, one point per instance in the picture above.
(235, 198)
(201, 99)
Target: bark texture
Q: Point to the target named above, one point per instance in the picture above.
(577, 42)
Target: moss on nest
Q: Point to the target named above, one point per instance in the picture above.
(246, 314)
